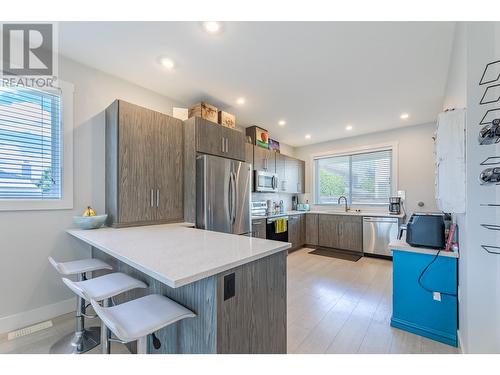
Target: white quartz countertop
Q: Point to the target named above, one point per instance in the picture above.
(175, 254)
(336, 212)
(403, 246)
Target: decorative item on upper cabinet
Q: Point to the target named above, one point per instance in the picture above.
(205, 111)
(181, 113)
(260, 136)
(227, 119)
(274, 145)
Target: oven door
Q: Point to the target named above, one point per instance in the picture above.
(271, 232)
(266, 181)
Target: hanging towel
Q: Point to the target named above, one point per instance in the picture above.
(280, 226)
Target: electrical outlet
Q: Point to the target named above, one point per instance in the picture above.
(436, 296)
(402, 194)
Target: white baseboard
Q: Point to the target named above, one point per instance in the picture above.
(26, 318)
(460, 343)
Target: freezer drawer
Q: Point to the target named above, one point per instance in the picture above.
(377, 233)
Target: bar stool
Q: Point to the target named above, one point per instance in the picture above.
(103, 289)
(136, 319)
(82, 339)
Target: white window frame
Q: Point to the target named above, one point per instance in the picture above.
(393, 145)
(66, 200)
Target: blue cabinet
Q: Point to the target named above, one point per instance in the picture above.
(414, 308)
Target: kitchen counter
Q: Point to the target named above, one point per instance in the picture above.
(335, 212)
(175, 254)
(230, 282)
(399, 245)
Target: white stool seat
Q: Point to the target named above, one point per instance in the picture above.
(103, 287)
(79, 266)
(140, 317)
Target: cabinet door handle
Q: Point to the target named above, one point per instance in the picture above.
(157, 197)
(151, 199)
(222, 139)
(227, 144)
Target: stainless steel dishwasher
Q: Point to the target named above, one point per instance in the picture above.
(377, 233)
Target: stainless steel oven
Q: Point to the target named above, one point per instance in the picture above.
(265, 181)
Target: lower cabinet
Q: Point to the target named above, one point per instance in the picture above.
(340, 232)
(259, 228)
(312, 229)
(296, 231)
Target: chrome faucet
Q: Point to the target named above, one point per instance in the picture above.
(345, 199)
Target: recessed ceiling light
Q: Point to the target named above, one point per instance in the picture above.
(308, 136)
(404, 116)
(167, 63)
(213, 27)
(240, 100)
(348, 127)
(281, 122)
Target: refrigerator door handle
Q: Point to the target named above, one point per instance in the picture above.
(235, 198)
(230, 198)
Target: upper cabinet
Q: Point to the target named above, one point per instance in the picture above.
(290, 174)
(144, 166)
(215, 139)
(264, 159)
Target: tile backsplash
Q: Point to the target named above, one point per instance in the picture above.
(276, 197)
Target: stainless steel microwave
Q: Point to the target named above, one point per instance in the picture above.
(265, 181)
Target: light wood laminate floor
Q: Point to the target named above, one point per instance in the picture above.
(334, 306)
(339, 306)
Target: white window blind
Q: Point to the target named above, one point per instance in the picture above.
(30, 144)
(363, 178)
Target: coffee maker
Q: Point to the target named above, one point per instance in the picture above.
(295, 201)
(394, 205)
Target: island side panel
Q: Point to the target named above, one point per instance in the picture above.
(193, 335)
(254, 320)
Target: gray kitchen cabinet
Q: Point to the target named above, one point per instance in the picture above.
(235, 143)
(296, 231)
(264, 159)
(340, 232)
(328, 231)
(351, 233)
(249, 153)
(281, 171)
(301, 178)
(312, 229)
(215, 139)
(168, 158)
(144, 158)
(259, 228)
(290, 174)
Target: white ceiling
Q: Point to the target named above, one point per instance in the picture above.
(318, 76)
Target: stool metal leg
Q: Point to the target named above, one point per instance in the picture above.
(105, 332)
(82, 340)
(142, 345)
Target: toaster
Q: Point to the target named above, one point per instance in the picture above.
(426, 230)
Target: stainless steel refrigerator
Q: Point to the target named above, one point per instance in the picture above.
(223, 189)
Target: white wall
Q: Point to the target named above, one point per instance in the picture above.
(27, 281)
(456, 97)
(415, 161)
(479, 271)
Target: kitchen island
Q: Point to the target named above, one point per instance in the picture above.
(236, 285)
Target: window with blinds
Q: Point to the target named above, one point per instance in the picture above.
(30, 144)
(363, 178)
